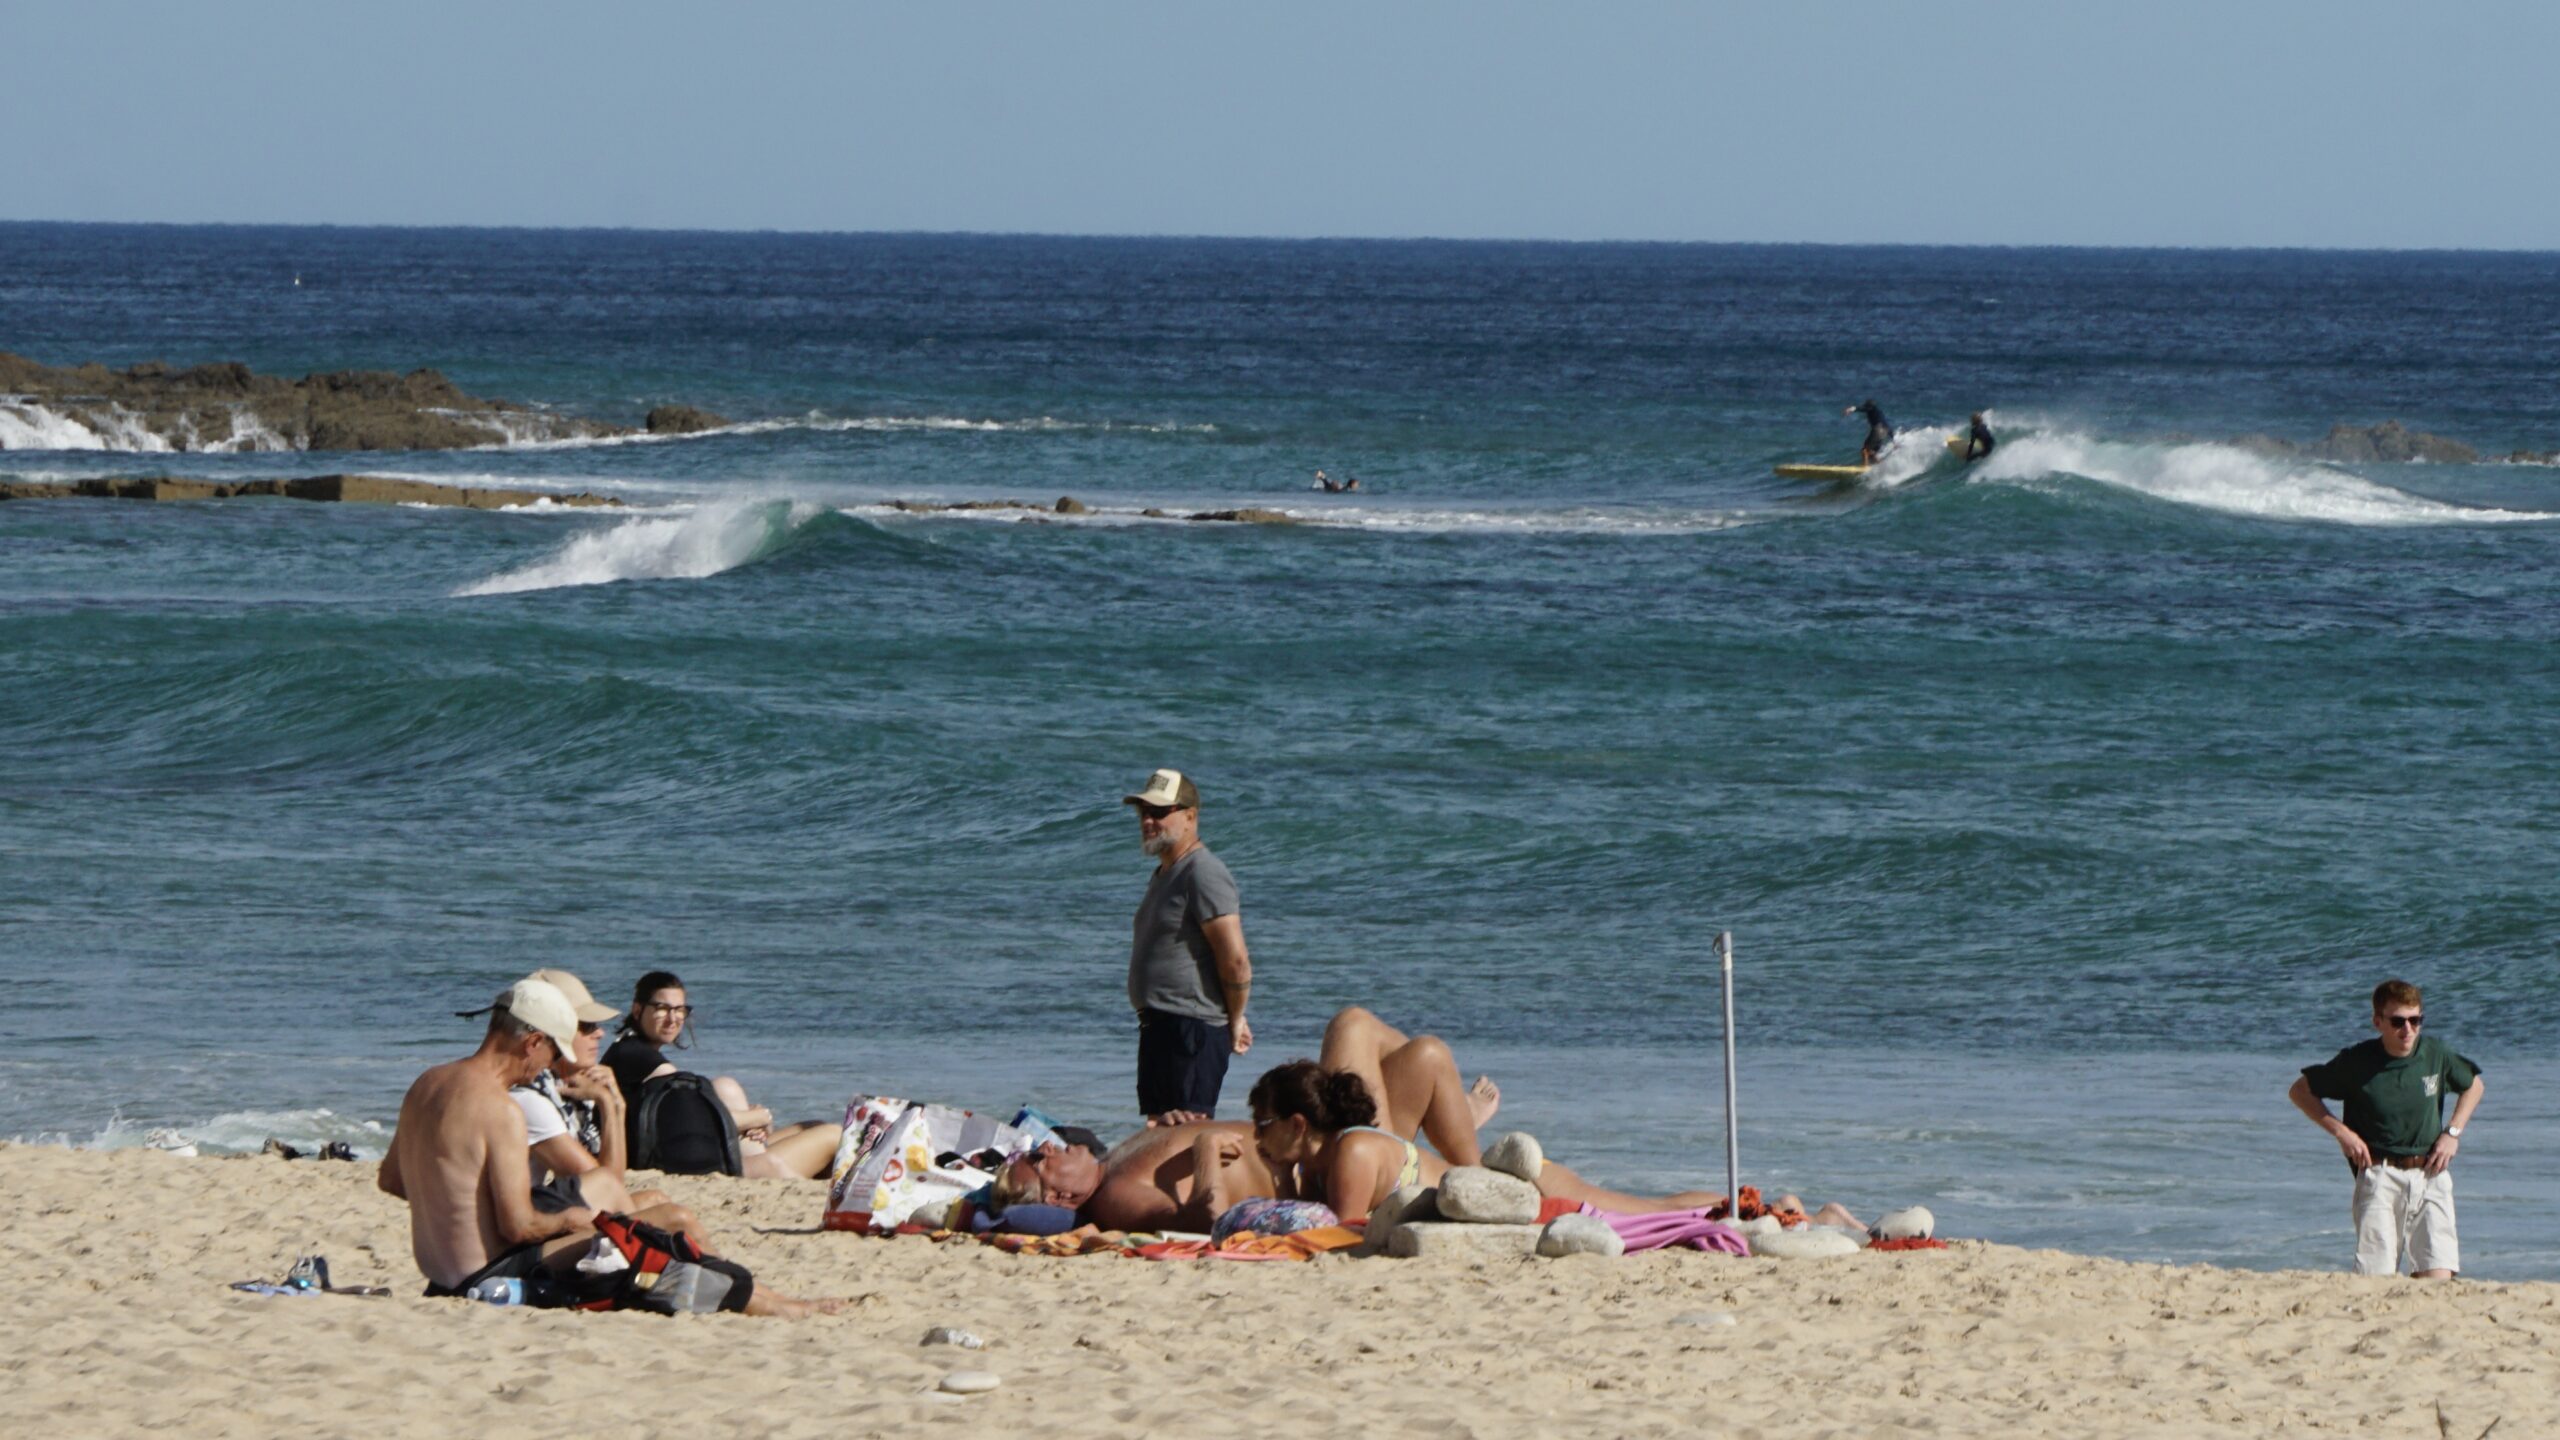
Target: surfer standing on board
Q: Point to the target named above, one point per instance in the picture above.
(1978, 442)
(1879, 432)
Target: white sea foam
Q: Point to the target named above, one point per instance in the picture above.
(237, 1132)
(712, 538)
(530, 438)
(26, 425)
(2228, 479)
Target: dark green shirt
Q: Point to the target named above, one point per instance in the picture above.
(2396, 1106)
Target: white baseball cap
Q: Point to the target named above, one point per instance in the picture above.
(540, 1004)
(1166, 787)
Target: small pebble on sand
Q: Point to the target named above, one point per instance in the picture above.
(970, 1382)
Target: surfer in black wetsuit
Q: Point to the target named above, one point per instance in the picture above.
(1879, 432)
(1978, 442)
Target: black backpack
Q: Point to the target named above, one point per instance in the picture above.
(679, 1125)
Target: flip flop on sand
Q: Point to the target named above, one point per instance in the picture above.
(309, 1276)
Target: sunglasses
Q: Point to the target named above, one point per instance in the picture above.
(1155, 812)
(2404, 1022)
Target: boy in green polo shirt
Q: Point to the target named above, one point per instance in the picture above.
(2394, 1135)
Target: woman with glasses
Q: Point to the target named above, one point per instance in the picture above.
(661, 1015)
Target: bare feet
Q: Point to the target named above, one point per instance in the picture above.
(783, 1307)
(1483, 1098)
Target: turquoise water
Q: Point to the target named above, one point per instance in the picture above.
(2061, 808)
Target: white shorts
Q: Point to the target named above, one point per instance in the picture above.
(2404, 1213)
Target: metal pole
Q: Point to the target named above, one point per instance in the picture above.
(1732, 1107)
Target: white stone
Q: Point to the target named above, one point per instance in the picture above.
(946, 1335)
(1485, 1197)
(1439, 1239)
(1756, 1225)
(971, 1382)
(1405, 1205)
(1915, 1223)
(1580, 1235)
(1517, 1153)
(1813, 1242)
(1707, 1318)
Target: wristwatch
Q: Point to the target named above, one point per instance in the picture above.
(2454, 1130)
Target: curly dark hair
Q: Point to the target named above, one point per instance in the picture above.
(1330, 1100)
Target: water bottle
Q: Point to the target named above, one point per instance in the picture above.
(498, 1290)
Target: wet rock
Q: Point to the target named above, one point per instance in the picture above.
(1580, 1235)
(1517, 1153)
(227, 406)
(681, 420)
(1250, 515)
(2389, 443)
(1479, 1196)
(344, 489)
(1070, 505)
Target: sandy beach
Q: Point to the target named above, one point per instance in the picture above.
(122, 1323)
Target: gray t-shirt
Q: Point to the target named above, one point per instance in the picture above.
(1170, 968)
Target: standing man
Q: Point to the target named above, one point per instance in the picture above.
(1189, 975)
(2394, 1135)
(1879, 432)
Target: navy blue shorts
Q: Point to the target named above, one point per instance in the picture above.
(1182, 1062)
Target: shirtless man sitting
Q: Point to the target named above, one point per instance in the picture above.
(460, 1158)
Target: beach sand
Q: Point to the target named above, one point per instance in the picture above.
(119, 1322)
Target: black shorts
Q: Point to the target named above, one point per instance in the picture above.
(558, 1193)
(1182, 1062)
(542, 1289)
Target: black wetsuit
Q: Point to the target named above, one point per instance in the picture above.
(1879, 432)
(1979, 443)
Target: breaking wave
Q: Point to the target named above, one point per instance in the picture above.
(706, 541)
(2223, 478)
(879, 424)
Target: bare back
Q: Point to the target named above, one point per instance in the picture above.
(460, 1139)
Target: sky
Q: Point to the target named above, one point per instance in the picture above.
(2164, 122)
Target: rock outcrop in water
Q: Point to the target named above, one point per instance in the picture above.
(346, 489)
(230, 407)
(2389, 443)
(682, 420)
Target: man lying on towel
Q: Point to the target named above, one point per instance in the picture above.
(1144, 1183)
(459, 1159)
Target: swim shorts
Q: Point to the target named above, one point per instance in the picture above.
(1182, 1062)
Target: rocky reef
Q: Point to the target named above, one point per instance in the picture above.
(230, 407)
(2389, 443)
(345, 489)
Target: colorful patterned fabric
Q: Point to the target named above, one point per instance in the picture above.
(1266, 1216)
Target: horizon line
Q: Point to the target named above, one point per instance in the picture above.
(1520, 240)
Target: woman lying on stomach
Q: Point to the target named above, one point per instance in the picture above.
(661, 1016)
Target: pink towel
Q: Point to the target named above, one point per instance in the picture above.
(1691, 1228)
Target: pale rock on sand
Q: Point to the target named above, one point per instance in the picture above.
(1517, 1153)
(1580, 1235)
(1487, 1197)
(1915, 1223)
(1405, 1205)
(1813, 1242)
(1442, 1239)
(120, 1322)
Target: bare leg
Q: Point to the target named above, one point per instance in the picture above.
(1414, 1080)
(1833, 1214)
(804, 1154)
(1558, 1181)
(782, 1307)
(750, 1116)
(602, 1190)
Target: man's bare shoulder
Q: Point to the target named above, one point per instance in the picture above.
(457, 1094)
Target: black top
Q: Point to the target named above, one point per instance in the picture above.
(1879, 429)
(632, 1059)
(1978, 442)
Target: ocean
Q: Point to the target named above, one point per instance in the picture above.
(2061, 807)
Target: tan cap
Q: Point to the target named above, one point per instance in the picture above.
(540, 1004)
(575, 992)
(1166, 787)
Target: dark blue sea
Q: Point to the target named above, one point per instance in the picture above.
(2061, 806)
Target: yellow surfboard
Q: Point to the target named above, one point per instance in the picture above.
(1822, 472)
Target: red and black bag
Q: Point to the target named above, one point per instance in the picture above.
(665, 1273)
